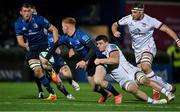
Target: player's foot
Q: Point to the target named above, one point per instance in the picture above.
(41, 95)
(52, 97)
(118, 99)
(70, 97)
(173, 90)
(156, 95)
(161, 101)
(171, 97)
(104, 98)
(75, 85)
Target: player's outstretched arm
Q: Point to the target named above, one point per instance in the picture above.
(171, 33)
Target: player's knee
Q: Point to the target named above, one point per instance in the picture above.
(38, 71)
(97, 80)
(104, 83)
(146, 62)
(145, 67)
(131, 87)
(141, 78)
(145, 81)
(66, 72)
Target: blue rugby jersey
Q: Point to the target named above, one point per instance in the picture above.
(33, 31)
(78, 41)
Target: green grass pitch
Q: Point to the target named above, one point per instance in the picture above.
(23, 97)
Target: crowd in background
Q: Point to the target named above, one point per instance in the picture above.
(87, 13)
(7, 34)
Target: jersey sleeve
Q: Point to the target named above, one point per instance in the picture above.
(85, 39)
(18, 29)
(112, 48)
(155, 23)
(123, 21)
(44, 22)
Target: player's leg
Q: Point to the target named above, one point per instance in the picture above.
(38, 71)
(99, 76)
(62, 88)
(40, 90)
(65, 71)
(145, 65)
(96, 88)
(132, 87)
(142, 79)
(146, 62)
(55, 78)
(163, 83)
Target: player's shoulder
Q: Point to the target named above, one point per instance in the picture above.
(82, 34)
(148, 17)
(37, 16)
(18, 20)
(112, 47)
(126, 17)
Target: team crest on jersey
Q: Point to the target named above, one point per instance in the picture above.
(24, 28)
(143, 24)
(131, 24)
(35, 25)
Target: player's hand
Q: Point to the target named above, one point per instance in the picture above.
(44, 61)
(117, 34)
(81, 64)
(97, 61)
(71, 53)
(45, 64)
(58, 51)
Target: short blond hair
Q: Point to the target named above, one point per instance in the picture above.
(69, 20)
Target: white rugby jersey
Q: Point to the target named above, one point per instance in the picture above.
(141, 30)
(124, 66)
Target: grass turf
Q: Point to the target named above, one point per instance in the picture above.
(22, 96)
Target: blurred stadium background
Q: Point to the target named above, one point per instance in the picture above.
(93, 16)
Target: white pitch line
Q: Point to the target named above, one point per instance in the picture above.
(101, 105)
(105, 105)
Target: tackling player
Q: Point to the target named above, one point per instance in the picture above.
(123, 72)
(82, 43)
